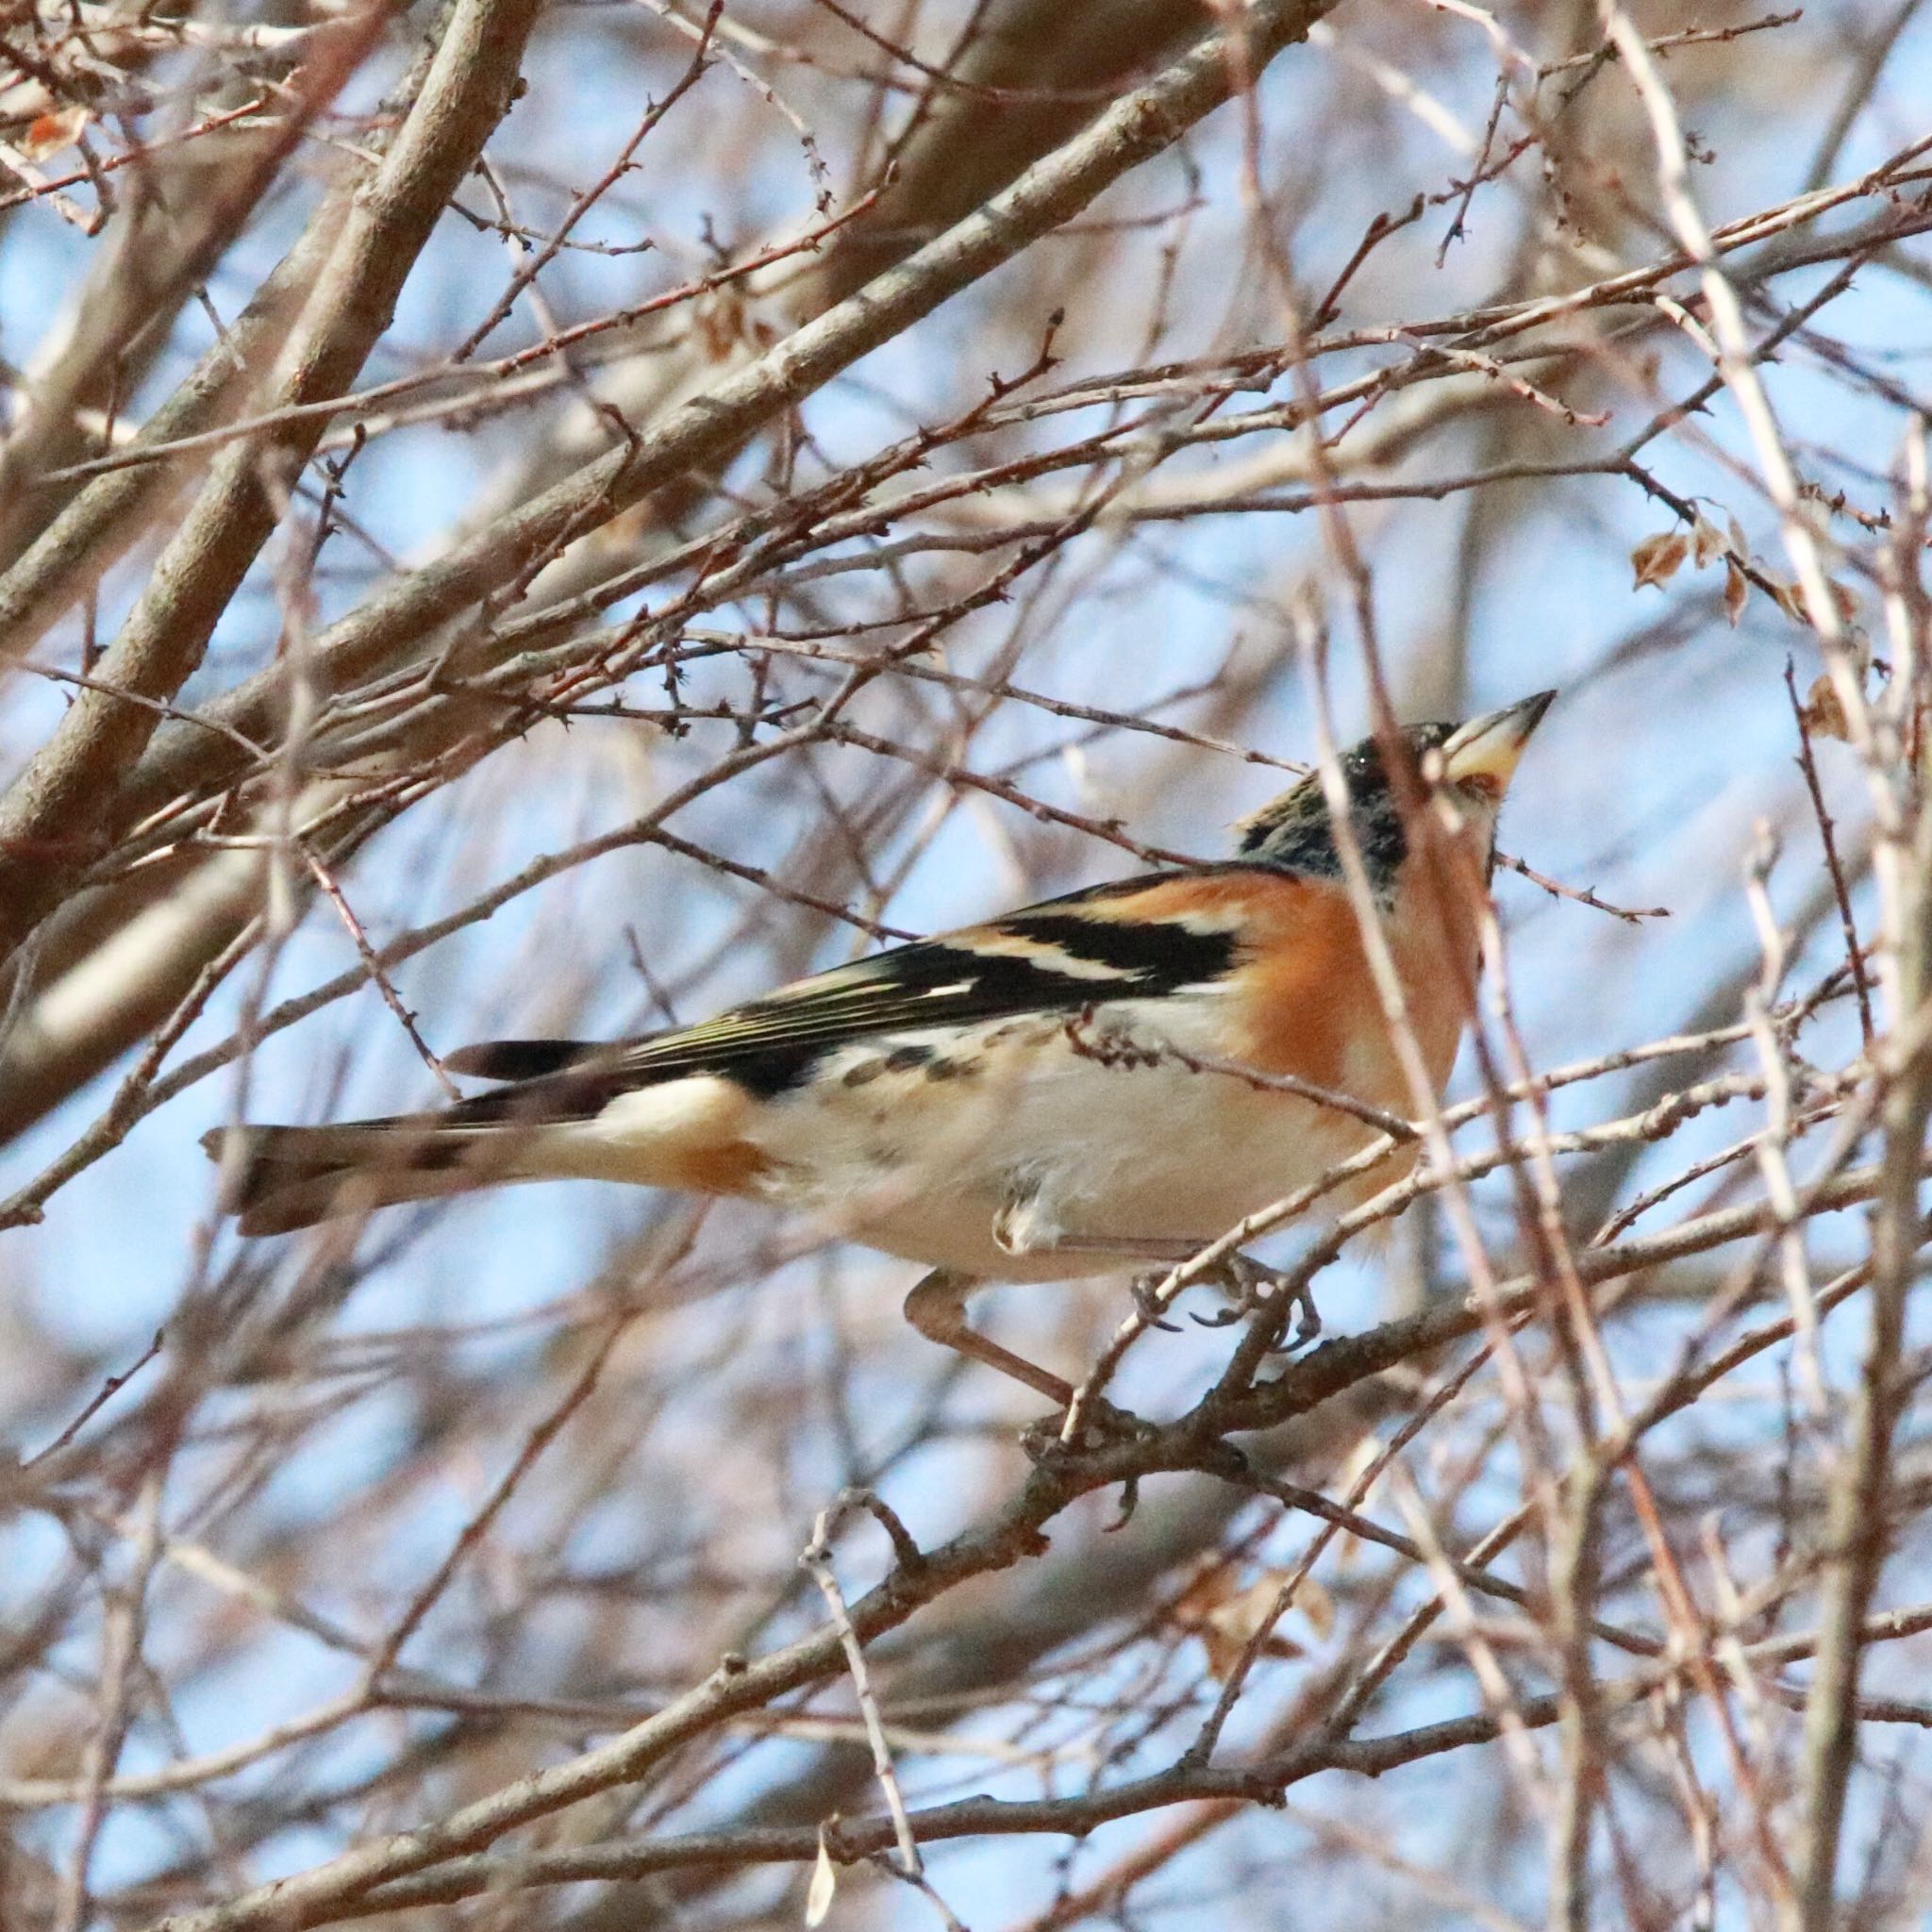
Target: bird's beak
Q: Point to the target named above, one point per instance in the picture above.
(1483, 753)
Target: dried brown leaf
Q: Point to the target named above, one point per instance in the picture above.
(1318, 1607)
(1824, 713)
(1736, 593)
(1226, 1617)
(1659, 559)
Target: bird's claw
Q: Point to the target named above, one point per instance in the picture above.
(1254, 1288)
(1221, 1318)
(1141, 1287)
(1101, 1422)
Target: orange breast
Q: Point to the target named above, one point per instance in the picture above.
(1307, 1000)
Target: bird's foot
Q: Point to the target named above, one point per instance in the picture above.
(1253, 1288)
(1101, 1422)
(1152, 1311)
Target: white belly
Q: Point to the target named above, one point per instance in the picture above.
(988, 1171)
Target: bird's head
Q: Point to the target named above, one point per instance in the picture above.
(1471, 764)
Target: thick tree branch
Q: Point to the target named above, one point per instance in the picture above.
(63, 804)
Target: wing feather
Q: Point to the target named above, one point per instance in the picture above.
(1056, 956)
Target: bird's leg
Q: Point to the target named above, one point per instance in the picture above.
(937, 1307)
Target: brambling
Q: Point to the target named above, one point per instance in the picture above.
(1058, 1092)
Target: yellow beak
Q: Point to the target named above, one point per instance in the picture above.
(1483, 753)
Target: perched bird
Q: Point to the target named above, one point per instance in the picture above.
(1058, 1092)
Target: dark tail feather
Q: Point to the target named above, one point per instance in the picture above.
(281, 1178)
(523, 1059)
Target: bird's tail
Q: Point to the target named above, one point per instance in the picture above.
(566, 1111)
(278, 1179)
(281, 1178)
